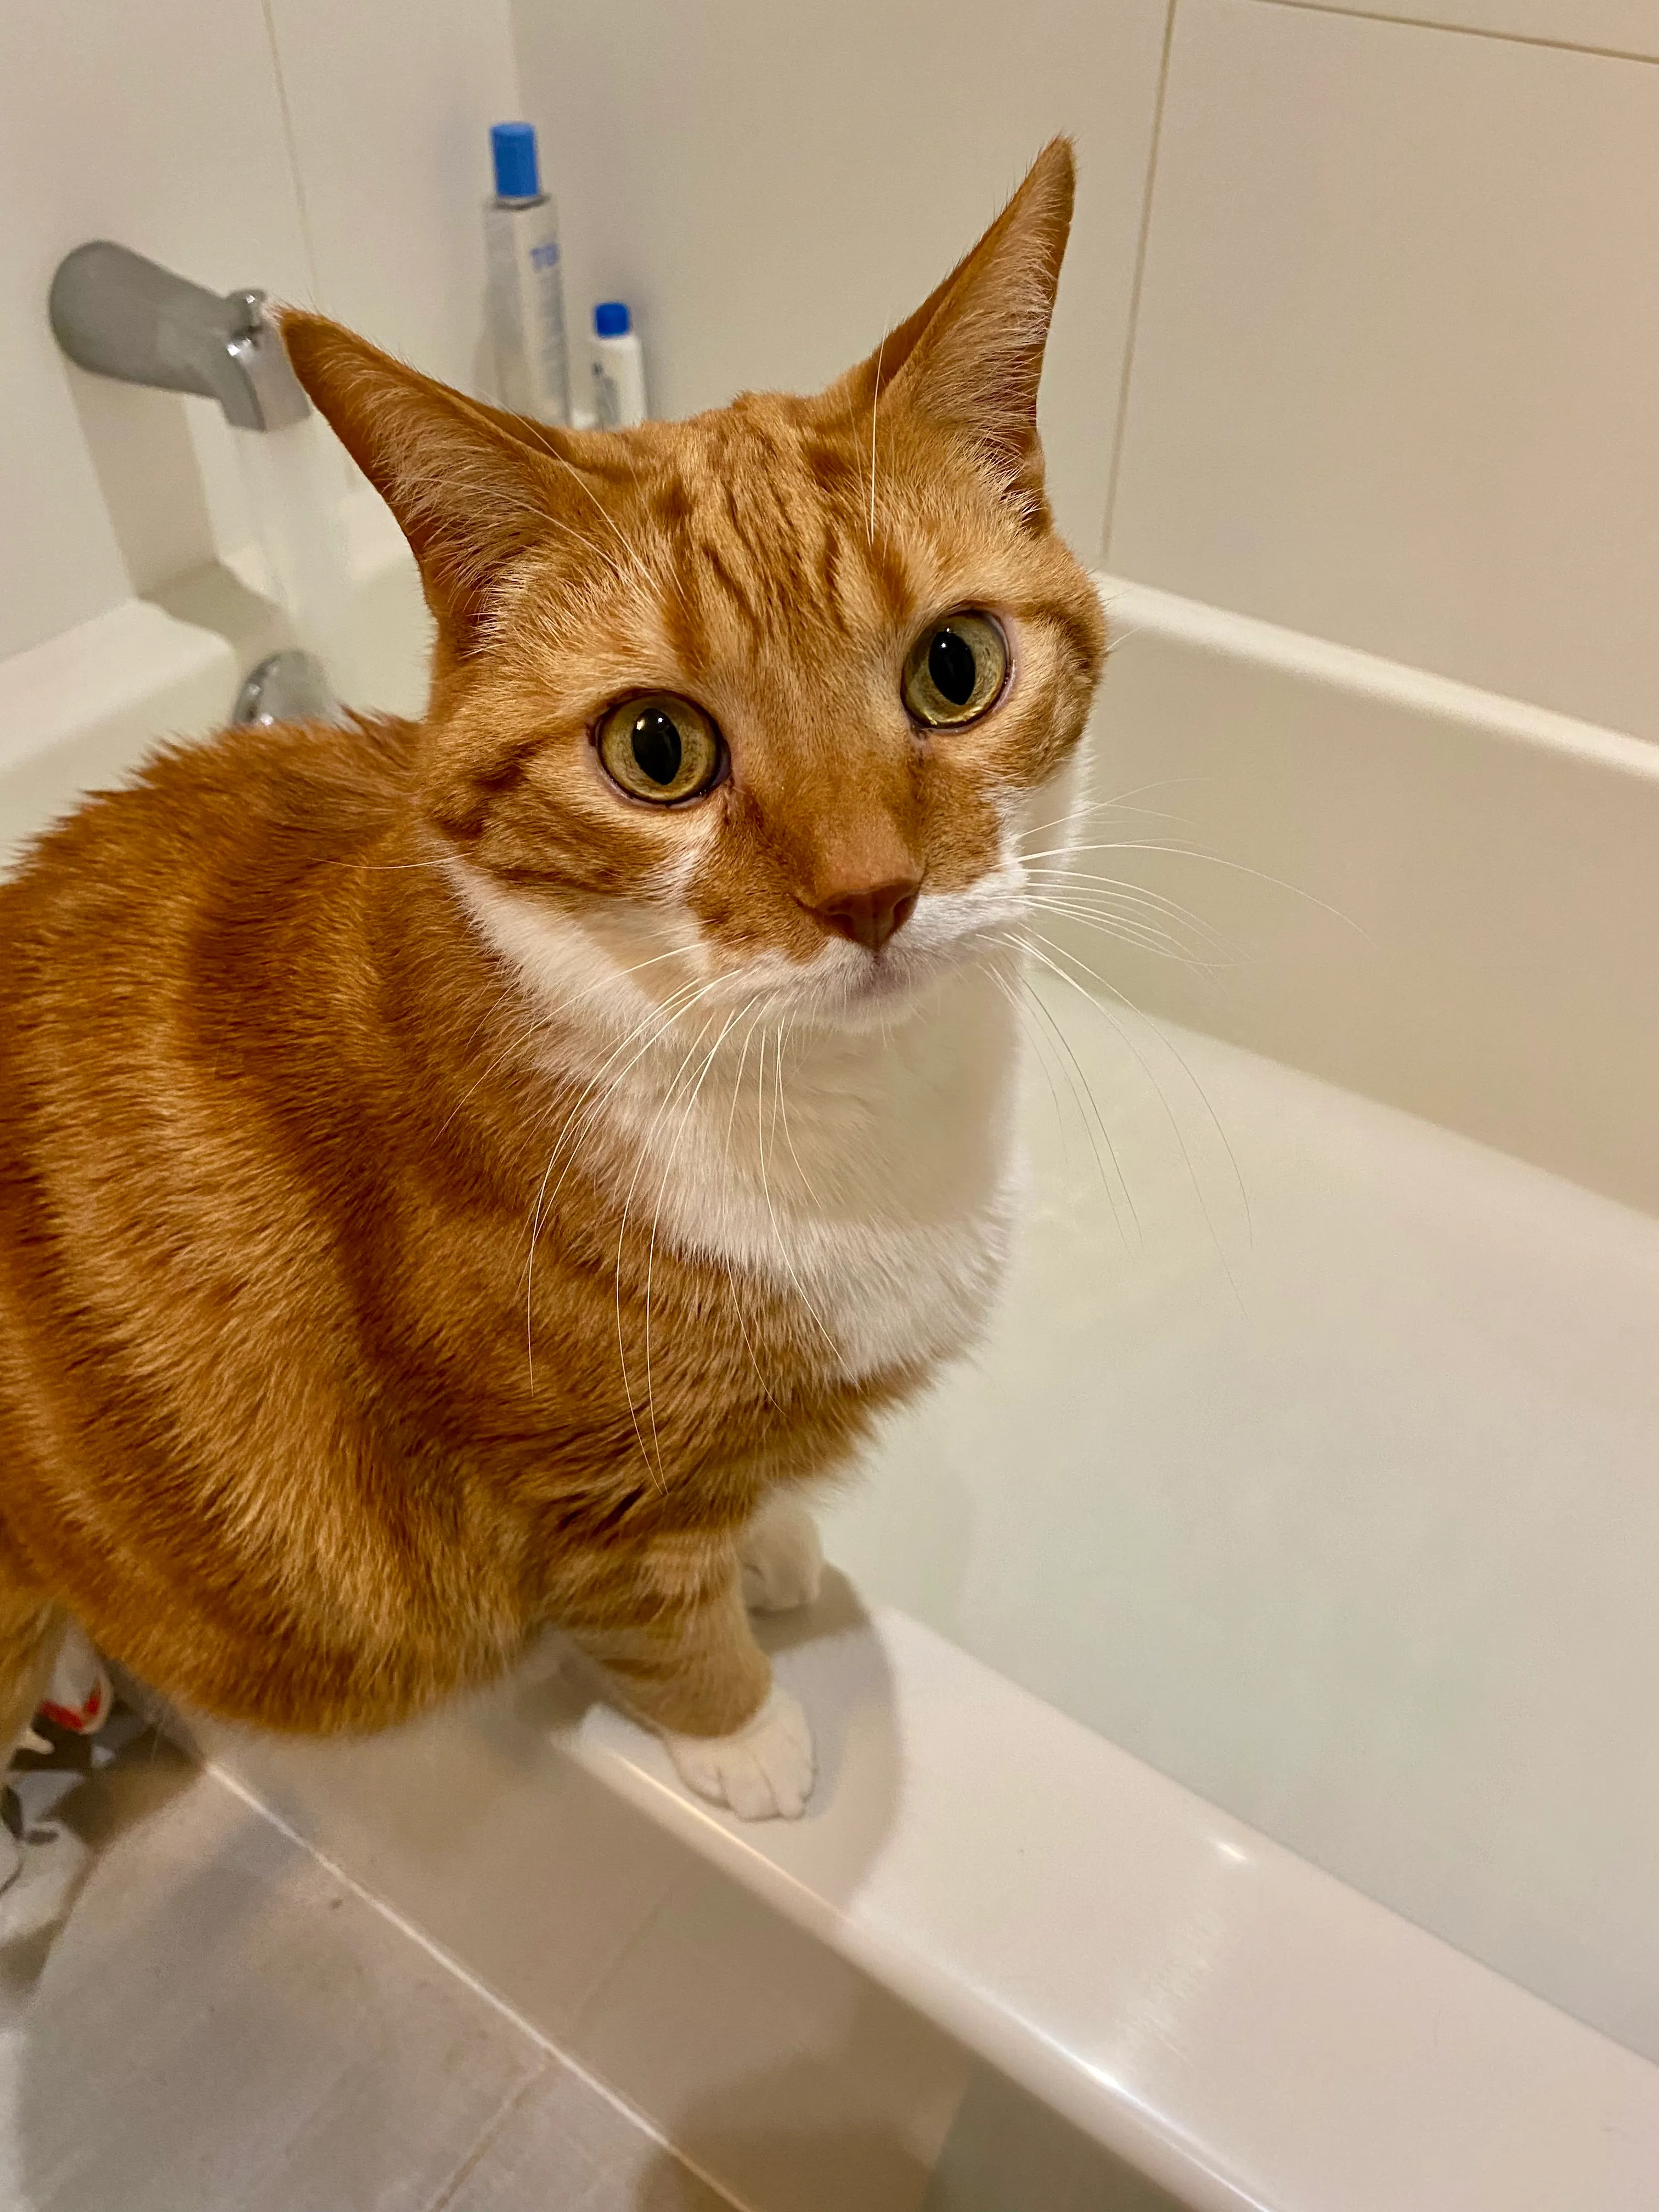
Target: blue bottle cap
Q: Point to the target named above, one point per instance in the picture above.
(512, 146)
(611, 320)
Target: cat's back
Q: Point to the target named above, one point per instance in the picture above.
(138, 928)
(230, 818)
(171, 955)
(162, 949)
(182, 968)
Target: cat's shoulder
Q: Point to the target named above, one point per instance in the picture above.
(300, 790)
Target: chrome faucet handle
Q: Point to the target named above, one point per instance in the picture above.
(120, 315)
(290, 686)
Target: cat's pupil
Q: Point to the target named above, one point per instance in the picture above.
(657, 746)
(952, 667)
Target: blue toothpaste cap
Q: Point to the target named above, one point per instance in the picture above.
(513, 148)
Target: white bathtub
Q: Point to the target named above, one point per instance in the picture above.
(1238, 1775)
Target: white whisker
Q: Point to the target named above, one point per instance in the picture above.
(1077, 1078)
(766, 1190)
(1125, 928)
(1023, 1014)
(1073, 883)
(1163, 1098)
(589, 1102)
(664, 1104)
(875, 406)
(730, 1264)
(688, 1109)
(1214, 860)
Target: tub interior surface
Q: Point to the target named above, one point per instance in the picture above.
(1312, 1458)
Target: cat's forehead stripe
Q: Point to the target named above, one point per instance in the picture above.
(775, 544)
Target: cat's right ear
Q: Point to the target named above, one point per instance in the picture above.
(472, 489)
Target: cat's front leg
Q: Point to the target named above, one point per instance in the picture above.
(694, 1672)
(763, 1770)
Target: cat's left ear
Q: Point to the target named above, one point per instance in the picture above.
(971, 355)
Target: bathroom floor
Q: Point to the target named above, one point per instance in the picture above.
(197, 2015)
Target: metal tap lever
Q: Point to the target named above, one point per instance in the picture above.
(120, 315)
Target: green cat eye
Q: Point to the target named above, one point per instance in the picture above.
(660, 748)
(955, 669)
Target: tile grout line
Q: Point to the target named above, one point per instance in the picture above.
(613, 1966)
(292, 144)
(1363, 15)
(487, 2135)
(1120, 428)
(464, 1975)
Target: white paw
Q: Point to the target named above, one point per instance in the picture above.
(763, 1772)
(783, 1560)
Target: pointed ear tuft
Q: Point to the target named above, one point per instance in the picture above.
(971, 355)
(472, 488)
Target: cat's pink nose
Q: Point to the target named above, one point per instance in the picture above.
(872, 914)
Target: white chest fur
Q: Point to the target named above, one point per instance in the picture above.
(868, 1171)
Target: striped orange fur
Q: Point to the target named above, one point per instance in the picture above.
(442, 1193)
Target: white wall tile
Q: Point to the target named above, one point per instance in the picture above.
(159, 127)
(1394, 379)
(1619, 26)
(390, 103)
(771, 188)
(78, 709)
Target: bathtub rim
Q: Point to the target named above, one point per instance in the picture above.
(1234, 2023)
(1250, 2084)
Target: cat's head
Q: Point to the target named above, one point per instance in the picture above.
(756, 703)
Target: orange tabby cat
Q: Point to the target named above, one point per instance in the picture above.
(462, 1176)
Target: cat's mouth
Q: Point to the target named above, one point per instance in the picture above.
(885, 976)
(862, 986)
(881, 984)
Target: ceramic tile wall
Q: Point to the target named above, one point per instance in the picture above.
(772, 188)
(735, 170)
(390, 105)
(333, 154)
(1393, 374)
(159, 127)
(1391, 364)
(1625, 27)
